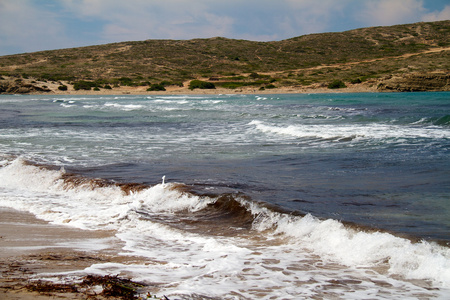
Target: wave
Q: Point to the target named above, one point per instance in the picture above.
(176, 98)
(445, 120)
(349, 132)
(437, 121)
(331, 239)
(126, 107)
(152, 104)
(60, 197)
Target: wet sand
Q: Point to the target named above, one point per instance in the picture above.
(23, 234)
(32, 249)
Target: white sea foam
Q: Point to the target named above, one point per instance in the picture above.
(80, 205)
(67, 105)
(332, 240)
(367, 132)
(171, 101)
(283, 251)
(126, 107)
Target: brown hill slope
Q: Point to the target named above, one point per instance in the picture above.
(363, 56)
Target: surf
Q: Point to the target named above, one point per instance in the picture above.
(171, 213)
(264, 196)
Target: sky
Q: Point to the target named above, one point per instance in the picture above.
(35, 25)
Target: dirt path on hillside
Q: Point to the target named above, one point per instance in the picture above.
(349, 64)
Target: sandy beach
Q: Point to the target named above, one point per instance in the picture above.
(174, 90)
(34, 255)
(51, 88)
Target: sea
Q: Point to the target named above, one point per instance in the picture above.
(289, 196)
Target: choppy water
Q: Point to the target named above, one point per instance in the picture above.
(265, 196)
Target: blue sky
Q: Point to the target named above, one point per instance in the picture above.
(34, 25)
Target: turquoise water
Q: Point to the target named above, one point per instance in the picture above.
(247, 170)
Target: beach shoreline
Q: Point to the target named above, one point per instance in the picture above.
(52, 88)
(432, 82)
(34, 255)
(124, 90)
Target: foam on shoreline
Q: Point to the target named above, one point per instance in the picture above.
(23, 234)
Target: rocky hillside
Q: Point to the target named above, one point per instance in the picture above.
(416, 83)
(400, 58)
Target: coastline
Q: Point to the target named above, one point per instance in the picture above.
(172, 90)
(51, 88)
(34, 255)
(432, 82)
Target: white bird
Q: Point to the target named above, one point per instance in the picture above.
(164, 179)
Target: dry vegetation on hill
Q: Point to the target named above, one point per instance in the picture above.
(381, 56)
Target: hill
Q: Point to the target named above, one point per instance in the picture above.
(397, 57)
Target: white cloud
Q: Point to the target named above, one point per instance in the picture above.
(438, 15)
(140, 19)
(27, 27)
(312, 16)
(390, 12)
(181, 19)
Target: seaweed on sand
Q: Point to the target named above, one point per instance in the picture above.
(48, 288)
(112, 287)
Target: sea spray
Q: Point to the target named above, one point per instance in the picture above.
(98, 195)
(357, 248)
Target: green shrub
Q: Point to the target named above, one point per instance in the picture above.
(232, 85)
(156, 87)
(356, 81)
(337, 84)
(125, 81)
(62, 87)
(84, 85)
(198, 84)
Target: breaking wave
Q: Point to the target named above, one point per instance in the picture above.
(141, 210)
(352, 132)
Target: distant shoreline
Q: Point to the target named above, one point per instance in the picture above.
(29, 87)
(212, 92)
(432, 82)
